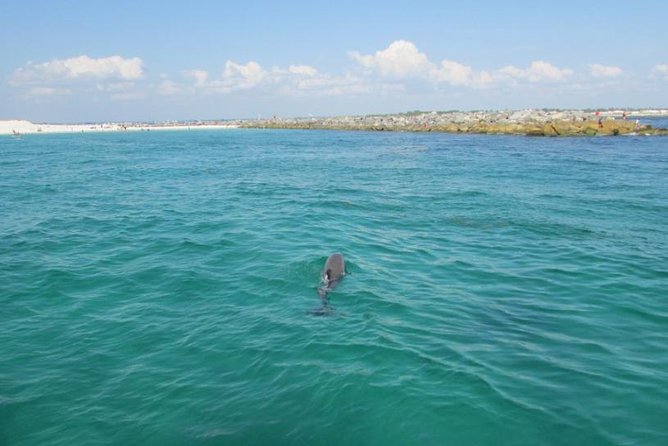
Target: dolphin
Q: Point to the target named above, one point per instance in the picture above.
(332, 273)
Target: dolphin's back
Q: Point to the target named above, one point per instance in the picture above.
(335, 268)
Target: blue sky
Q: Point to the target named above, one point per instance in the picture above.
(74, 61)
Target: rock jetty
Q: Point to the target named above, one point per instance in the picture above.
(511, 122)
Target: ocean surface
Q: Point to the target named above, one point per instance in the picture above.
(155, 289)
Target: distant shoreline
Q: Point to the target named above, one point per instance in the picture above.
(516, 122)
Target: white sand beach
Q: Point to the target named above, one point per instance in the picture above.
(21, 127)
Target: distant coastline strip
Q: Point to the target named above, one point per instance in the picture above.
(510, 122)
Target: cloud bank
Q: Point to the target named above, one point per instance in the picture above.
(291, 80)
(80, 67)
(402, 60)
(114, 76)
(398, 69)
(384, 71)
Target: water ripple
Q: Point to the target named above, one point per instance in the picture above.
(155, 288)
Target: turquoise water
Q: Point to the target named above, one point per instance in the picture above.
(155, 289)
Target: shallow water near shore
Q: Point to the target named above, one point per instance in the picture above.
(155, 289)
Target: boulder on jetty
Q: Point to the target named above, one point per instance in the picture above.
(515, 122)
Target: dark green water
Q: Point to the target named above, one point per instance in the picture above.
(154, 289)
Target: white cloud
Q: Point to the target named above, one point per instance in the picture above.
(78, 68)
(235, 77)
(598, 70)
(660, 71)
(456, 73)
(401, 59)
(302, 70)
(453, 72)
(537, 71)
(242, 77)
(511, 72)
(198, 76)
